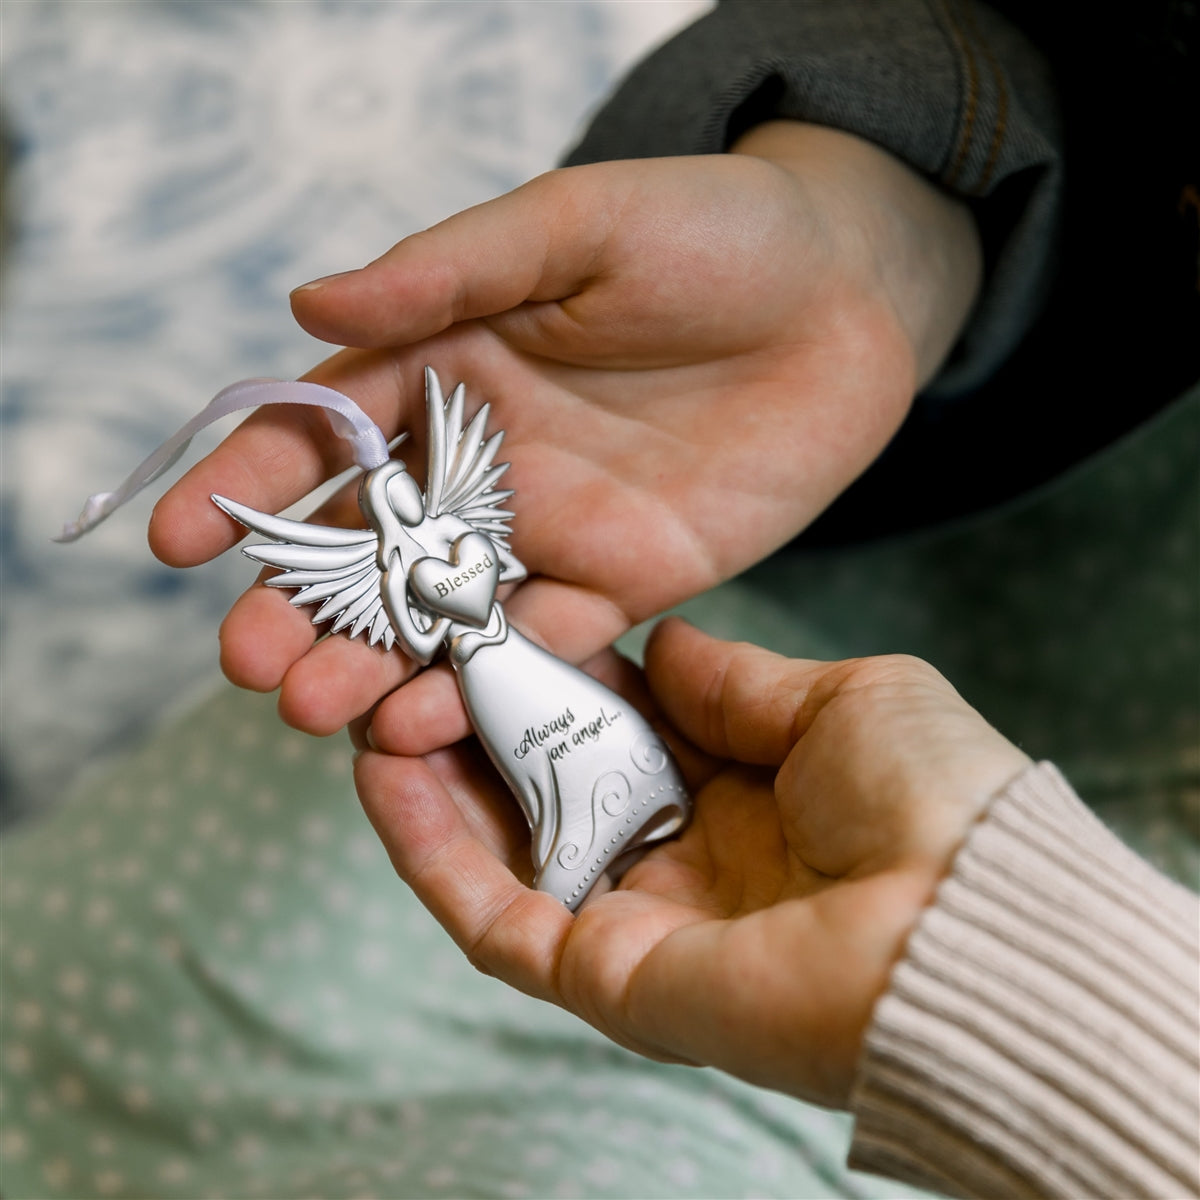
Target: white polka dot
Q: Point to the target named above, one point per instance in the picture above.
(291, 750)
(121, 996)
(130, 870)
(231, 934)
(197, 767)
(203, 1132)
(343, 1036)
(308, 937)
(362, 1123)
(331, 996)
(362, 850)
(372, 958)
(683, 1173)
(206, 824)
(28, 1015)
(249, 981)
(258, 900)
(98, 911)
(232, 849)
(174, 1170)
(109, 1182)
(137, 1097)
(14, 1142)
(233, 780)
(18, 1058)
(57, 1172)
(270, 856)
(98, 1047)
(24, 957)
(441, 1177)
(160, 796)
(337, 763)
(602, 1172)
(190, 861)
(185, 1064)
(89, 836)
(70, 1090)
(68, 1023)
(153, 833)
(246, 736)
(316, 830)
(265, 800)
(248, 1149)
(169, 948)
(233, 1051)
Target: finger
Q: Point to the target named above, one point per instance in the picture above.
(732, 699)
(338, 680)
(539, 242)
(261, 637)
(505, 928)
(424, 715)
(276, 457)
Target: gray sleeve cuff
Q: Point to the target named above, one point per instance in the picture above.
(1039, 1038)
(947, 86)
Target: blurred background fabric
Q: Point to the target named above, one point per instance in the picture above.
(172, 170)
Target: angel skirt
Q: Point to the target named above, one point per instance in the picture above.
(593, 777)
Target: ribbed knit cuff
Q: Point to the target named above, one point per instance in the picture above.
(1039, 1038)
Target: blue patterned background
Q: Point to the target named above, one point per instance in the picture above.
(172, 171)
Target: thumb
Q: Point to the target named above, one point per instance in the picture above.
(537, 243)
(732, 699)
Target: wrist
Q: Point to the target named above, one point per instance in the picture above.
(914, 243)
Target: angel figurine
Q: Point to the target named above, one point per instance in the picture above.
(594, 780)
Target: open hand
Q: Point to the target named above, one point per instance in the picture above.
(830, 799)
(691, 358)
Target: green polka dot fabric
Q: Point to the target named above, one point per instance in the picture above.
(214, 985)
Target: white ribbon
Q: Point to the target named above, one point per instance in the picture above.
(348, 420)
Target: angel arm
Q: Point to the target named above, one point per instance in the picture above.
(421, 645)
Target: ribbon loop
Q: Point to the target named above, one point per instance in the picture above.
(366, 439)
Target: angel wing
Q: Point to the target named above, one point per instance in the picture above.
(336, 568)
(461, 479)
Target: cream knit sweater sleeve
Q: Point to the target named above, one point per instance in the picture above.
(1039, 1038)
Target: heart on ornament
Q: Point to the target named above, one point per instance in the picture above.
(462, 588)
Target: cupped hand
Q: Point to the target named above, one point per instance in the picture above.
(830, 799)
(691, 358)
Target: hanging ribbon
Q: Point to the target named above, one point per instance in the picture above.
(349, 421)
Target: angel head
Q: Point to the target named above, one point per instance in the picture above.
(390, 492)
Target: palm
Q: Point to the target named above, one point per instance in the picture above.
(672, 418)
(828, 801)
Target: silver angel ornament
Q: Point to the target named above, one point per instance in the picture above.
(593, 778)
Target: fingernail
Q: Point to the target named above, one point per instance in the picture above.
(370, 738)
(319, 283)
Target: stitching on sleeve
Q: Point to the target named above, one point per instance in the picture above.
(967, 129)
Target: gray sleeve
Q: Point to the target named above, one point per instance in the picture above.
(948, 86)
